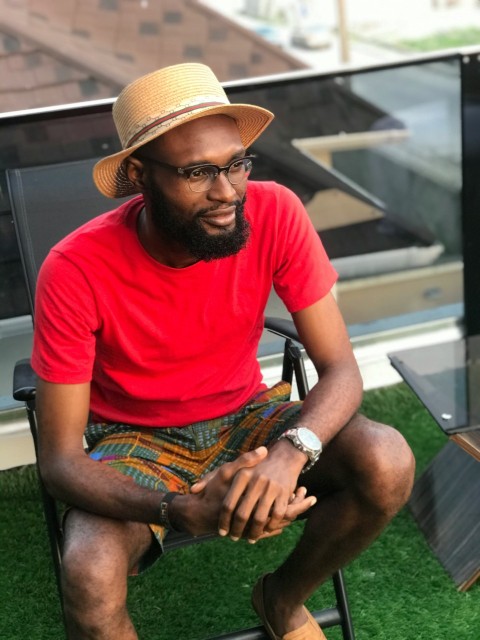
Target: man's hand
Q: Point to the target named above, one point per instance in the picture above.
(198, 512)
(298, 505)
(262, 498)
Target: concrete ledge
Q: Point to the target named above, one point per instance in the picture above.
(16, 445)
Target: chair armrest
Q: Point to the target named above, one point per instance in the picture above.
(24, 381)
(282, 327)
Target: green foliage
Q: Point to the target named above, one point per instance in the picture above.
(449, 39)
(397, 588)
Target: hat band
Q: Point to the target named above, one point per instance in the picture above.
(170, 116)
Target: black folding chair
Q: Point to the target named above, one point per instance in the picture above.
(47, 203)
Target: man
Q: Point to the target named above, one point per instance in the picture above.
(148, 320)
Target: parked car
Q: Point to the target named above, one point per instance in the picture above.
(274, 35)
(312, 36)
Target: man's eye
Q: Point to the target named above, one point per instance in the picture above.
(200, 174)
(238, 166)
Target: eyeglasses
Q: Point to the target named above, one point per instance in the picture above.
(200, 177)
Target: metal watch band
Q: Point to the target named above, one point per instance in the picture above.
(308, 465)
(291, 434)
(164, 504)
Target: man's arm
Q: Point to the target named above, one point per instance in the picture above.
(69, 473)
(259, 495)
(337, 395)
(73, 477)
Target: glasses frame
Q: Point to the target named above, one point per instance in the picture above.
(186, 172)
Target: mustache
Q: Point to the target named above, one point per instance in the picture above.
(219, 207)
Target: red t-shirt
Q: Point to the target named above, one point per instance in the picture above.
(164, 346)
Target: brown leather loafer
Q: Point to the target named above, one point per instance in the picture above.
(308, 631)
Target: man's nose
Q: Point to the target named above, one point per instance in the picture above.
(222, 188)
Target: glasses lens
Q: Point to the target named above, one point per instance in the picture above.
(201, 178)
(239, 169)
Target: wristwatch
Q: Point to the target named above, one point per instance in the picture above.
(163, 519)
(306, 441)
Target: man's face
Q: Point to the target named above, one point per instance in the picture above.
(209, 224)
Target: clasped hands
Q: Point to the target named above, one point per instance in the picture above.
(253, 497)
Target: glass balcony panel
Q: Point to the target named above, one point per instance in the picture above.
(375, 155)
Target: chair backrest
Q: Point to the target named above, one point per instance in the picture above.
(48, 202)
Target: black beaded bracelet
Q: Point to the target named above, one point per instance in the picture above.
(164, 504)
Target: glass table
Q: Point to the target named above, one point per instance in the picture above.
(445, 499)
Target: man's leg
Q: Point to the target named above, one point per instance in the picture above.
(98, 555)
(362, 479)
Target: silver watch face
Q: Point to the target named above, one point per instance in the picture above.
(308, 439)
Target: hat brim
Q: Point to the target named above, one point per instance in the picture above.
(109, 173)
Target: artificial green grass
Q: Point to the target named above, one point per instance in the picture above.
(397, 588)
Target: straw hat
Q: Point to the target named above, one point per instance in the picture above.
(162, 100)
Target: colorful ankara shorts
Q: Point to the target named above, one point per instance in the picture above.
(172, 459)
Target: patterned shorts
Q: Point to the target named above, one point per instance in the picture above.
(174, 458)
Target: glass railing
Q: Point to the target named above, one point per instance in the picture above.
(376, 157)
(375, 154)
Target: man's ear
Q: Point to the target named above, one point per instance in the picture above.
(135, 172)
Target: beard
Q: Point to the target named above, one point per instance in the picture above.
(190, 233)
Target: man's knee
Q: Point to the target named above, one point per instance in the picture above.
(96, 560)
(385, 465)
(91, 579)
(373, 461)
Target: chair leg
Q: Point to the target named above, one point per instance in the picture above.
(53, 529)
(343, 606)
(49, 508)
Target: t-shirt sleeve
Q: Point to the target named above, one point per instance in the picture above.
(65, 323)
(303, 273)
